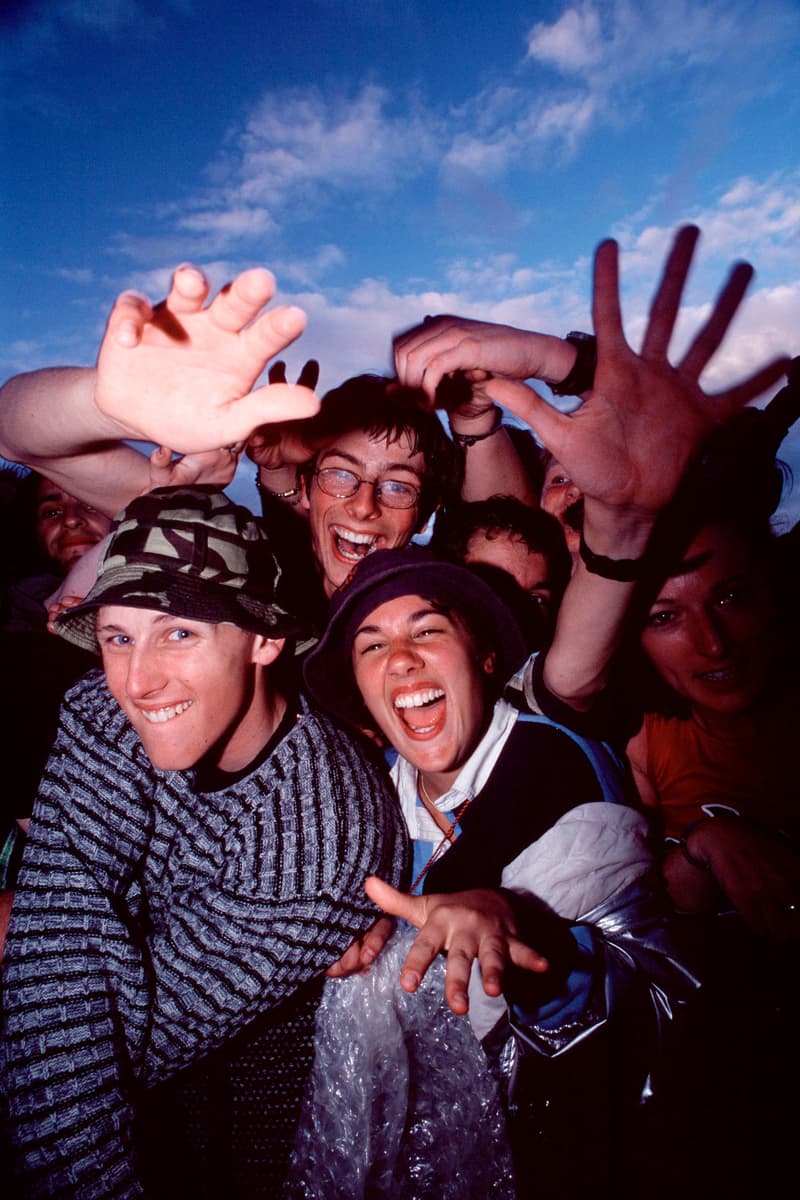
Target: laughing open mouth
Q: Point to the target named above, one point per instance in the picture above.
(422, 711)
(353, 546)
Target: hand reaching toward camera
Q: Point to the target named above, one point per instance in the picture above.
(181, 373)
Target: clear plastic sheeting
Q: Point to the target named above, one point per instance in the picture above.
(401, 1103)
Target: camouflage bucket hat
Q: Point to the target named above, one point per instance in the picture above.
(192, 552)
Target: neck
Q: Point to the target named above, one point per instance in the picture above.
(721, 724)
(259, 720)
(434, 784)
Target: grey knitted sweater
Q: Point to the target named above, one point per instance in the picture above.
(154, 921)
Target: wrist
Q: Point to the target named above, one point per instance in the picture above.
(491, 422)
(617, 533)
(286, 487)
(480, 419)
(579, 377)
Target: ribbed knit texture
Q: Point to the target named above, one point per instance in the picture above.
(152, 923)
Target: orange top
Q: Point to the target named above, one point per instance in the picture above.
(754, 769)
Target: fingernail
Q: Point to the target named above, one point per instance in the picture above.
(409, 981)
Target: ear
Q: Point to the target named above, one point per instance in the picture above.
(489, 663)
(304, 481)
(266, 650)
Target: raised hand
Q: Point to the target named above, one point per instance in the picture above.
(628, 444)
(478, 924)
(443, 345)
(182, 374)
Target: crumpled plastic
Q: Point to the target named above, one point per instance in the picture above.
(401, 1103)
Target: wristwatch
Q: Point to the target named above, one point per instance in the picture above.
(581, 377)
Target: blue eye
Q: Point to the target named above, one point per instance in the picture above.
(180, 635)
(117, 639)
(397, 490)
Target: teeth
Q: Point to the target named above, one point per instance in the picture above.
(352, 545)
(418, 699)
(159, 715)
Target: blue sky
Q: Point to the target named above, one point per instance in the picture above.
(392, 159)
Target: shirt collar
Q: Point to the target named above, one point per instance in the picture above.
(472, 776)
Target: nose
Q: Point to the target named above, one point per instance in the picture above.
(145, 674)
(364, 504)
(709, 635)
(74, 514)
(404, 657)
(573, 493)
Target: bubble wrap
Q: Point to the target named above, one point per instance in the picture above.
(401, 1104)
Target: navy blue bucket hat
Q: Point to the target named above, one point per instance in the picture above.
(385, 575)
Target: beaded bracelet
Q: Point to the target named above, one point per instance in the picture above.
(295, 491)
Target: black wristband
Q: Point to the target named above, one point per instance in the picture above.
(581, 377)
(469, 439)
(621, 570)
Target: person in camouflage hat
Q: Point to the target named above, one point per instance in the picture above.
(196, 861)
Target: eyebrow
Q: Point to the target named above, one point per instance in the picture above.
(691, 564)
(357, 462)
(49, 498)
(419, 615)
(160, 619)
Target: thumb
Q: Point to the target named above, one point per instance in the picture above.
(396, 903)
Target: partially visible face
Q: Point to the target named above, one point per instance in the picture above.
(709, 631)
(510, 553)
(187, 687)
(559, 494)
(421, 678)
(345, 531)
(66, 527)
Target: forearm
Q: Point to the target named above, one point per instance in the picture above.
(49, 421)
(691, 888)
(492, 465)
(591, 619)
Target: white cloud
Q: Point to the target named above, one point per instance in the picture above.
(758, 221)
(307, 272)
(223, 227)
(611, 53)
(571, 43)
(302, 140)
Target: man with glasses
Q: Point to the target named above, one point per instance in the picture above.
(381, 466)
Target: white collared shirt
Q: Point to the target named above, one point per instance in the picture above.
(471, 778)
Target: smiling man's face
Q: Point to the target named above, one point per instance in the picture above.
(345, 530)
(187, 687)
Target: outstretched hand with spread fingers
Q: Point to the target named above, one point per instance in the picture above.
(628, 444)
(478, 924)
(181, 373)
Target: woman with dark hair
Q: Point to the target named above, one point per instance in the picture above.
(417, 651)
(717, 756)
